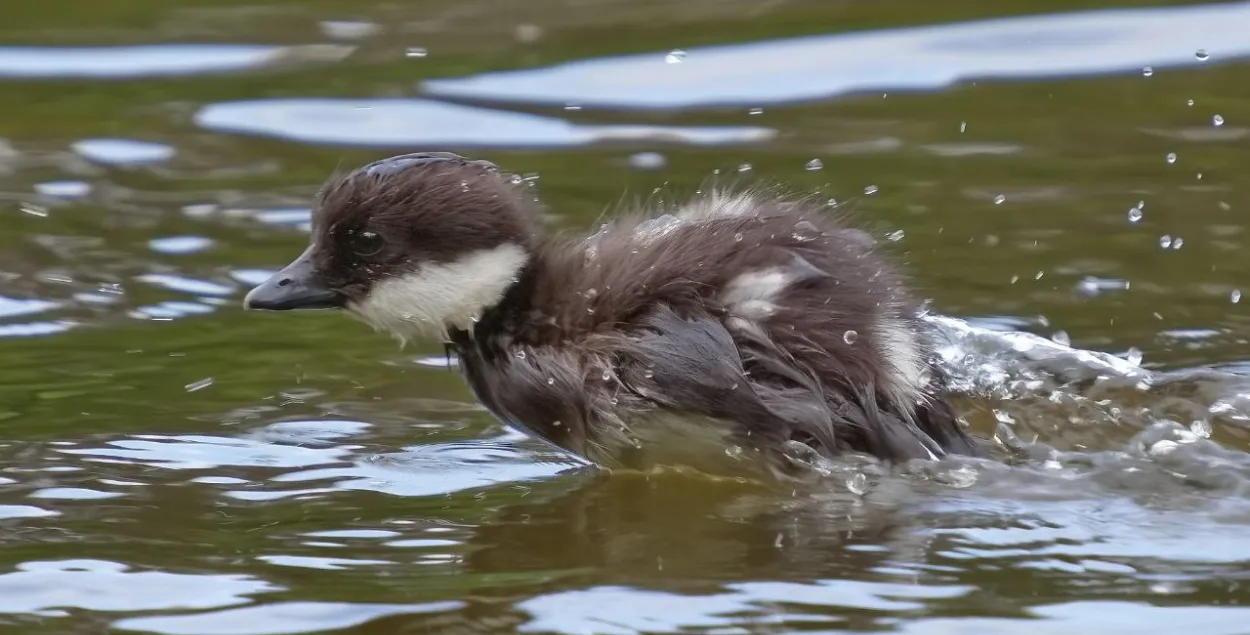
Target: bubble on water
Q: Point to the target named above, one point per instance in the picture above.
(858, 484)
(1217, 120)
(416, 52)
(871, 189)
(850, 337)
(745, 167)
(1133, 356)
(1000, 199)
(895, 235)
(814, 164)
(199, 385)
(1201, 427)
(1171, 158)
(1235, 296)
(1061, 338)
(755, 111)
(1202, 55)
(675, 56)
(1148, 71)
(1134, 214)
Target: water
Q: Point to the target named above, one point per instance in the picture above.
(169, 464)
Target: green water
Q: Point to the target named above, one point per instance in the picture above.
(170, 464)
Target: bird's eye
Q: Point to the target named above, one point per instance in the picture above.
(366, 243)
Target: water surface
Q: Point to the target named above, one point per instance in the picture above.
(169, 464)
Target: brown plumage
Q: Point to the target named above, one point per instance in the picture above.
(761, 320)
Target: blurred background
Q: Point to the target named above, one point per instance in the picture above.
(169, 464)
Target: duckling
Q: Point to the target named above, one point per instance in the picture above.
(766, 319)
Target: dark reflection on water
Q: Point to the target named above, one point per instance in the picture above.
(171, 465)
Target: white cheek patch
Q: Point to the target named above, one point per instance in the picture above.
(425, 302)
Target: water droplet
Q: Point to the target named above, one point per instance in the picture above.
(607, 375)
(814, 164)
(572, 106)
(1202, 55)
(1217, 120)
(416, 51)
(745, 167)
(895, 235)
(1171, 158)
(738, 237)
(1133, 356)
(850, 337)
(963, 127)
(675, 56)
(199, 385)
(1235, 296)
(1134, 214)
(1165, 241)
(551, 381)
(648, 374)
(1148, 71)
(871, 189)
(858, 484)
(833, 202)
(1061, 338)
(1177, 242)
(755, 111)
(520, 354)
(1000, 199)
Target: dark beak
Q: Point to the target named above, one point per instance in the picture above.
(298, 286)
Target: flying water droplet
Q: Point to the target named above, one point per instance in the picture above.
(1171, 158)
(745, 167)
(850, 337)
(1000, 199)
(755, 111)
(1134, 214)
(738, 237)
(895, 235)
(520, 354)
(416, 52)
(963, 127)
(675, 56)
(1235, 296)
(871, 189)
(607, 375)
(814, 164)
(1177, 242)
(1061, 338)
(1191, 102)
(1202, 55)
(1217, 121)
(1148, 71)
(1165, 241)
